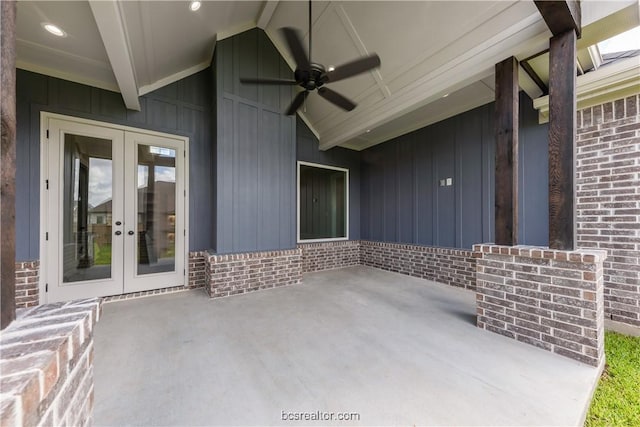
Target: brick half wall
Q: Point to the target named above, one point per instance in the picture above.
(455, 267)
(46, 374)
(551, 299)
(329, 255)
(234, 274)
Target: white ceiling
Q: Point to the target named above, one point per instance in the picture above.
(428, 49)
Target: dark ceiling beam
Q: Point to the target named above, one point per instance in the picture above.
(8, 162)
(506, 134)
(561, 16)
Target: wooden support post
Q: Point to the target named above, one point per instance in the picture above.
(562, 141)
(7, 162)
(506, 134)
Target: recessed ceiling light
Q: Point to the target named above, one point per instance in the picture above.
(195, 5)
(445, 95)
(368, 130)
(54, 29)
(331, 69)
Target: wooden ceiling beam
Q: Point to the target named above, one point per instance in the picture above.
(561, 16)
(114, 37)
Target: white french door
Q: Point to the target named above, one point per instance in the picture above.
(115, 210)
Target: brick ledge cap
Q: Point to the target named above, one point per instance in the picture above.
(578, 255)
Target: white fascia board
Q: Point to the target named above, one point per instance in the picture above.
(605, 84)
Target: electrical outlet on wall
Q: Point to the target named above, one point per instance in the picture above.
(449, 182)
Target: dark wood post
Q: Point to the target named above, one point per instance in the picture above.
(8, 162)
(562, 141)
(564, 20)
(506, 133)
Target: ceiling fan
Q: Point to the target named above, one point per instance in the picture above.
(312, 76)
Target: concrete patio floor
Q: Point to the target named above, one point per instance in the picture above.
(395, 349)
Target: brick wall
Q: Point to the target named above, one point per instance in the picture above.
(454, 267)
(234, 274)
(547, 298)
(328, 255)
(197, 263)
(46, 365)
(27, 278)
(608, 199)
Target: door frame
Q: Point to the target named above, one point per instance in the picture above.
(44, 174)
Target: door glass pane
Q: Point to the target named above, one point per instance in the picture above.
(156, 210)
(87, 189)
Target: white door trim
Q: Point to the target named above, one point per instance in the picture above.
(45, 116)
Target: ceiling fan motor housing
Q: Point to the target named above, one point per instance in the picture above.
(310, 79)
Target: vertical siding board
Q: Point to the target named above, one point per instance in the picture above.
(269, 182)
(445, 161)
(405, 209)
(423, 173)
(245, 55)
(28, 88)
(390, 185)
(534, 177)
(469, 181)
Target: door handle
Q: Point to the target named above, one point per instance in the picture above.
(130, 233)
(118, 233)
(118, 223)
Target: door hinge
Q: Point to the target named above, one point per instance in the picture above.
(47, 183)
(46, 287)
(185, 193)
(47, 133)
(46, 235)
(184, 232)
(184, 272)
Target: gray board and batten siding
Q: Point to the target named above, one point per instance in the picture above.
(181, 108)
(255, 148)
(243, 152)
(402, 200)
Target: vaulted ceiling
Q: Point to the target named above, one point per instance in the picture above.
(437, 56)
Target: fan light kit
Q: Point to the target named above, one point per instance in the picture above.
(54, 29)
(195, 5)
(312, 76)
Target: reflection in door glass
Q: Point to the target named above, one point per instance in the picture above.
(88, 189)
(156, 209)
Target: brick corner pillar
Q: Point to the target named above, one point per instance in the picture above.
(550, 299)
(8, 161)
